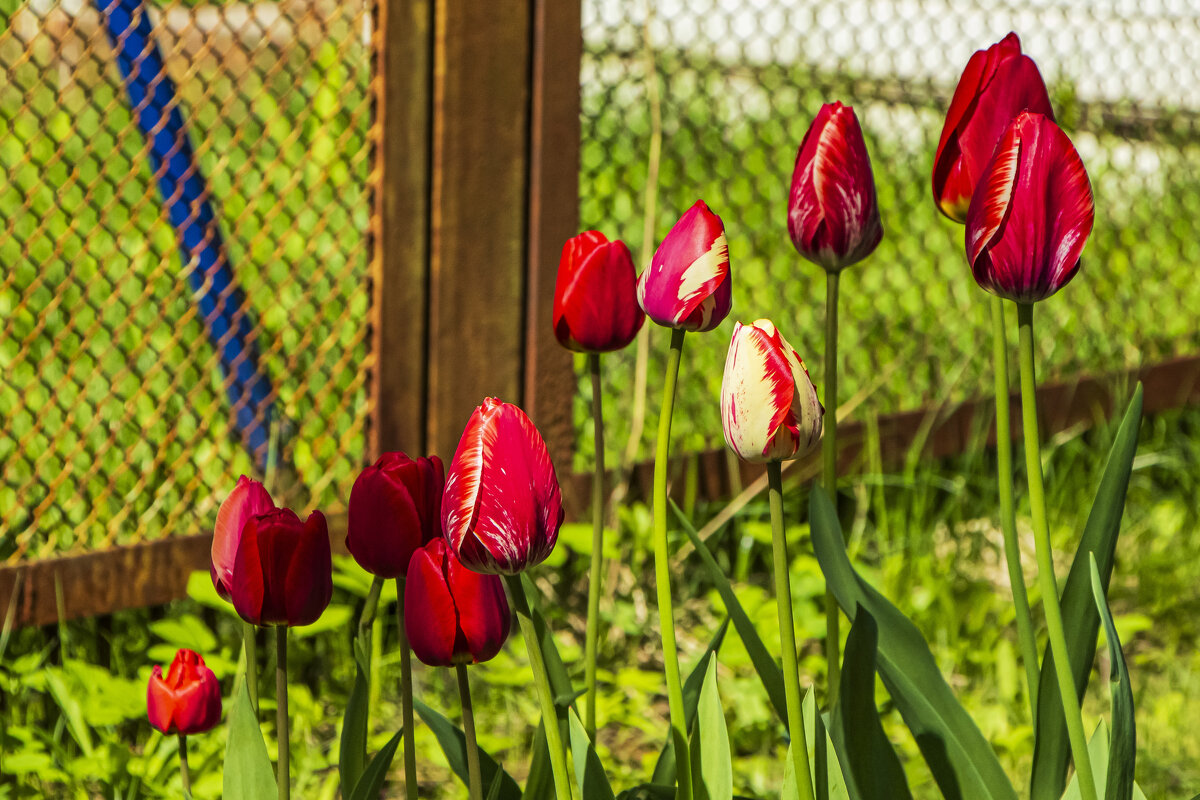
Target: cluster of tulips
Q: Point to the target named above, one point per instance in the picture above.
(1006, 170)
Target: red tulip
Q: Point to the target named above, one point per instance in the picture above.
(188, 700)
(283, 574)
(595, 296)
(1031, 213)
(769, 406)
(452, 615)
(833, 217)
(395, 508)
(248, 499)
(997, 84)
(687, 284)
(502, 507)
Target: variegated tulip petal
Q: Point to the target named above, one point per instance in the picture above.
(687, 284)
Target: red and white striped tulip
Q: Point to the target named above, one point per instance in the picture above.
(997, 84)
(687, 284)
(502, 507)
(595, 295)
(833, 215)
(769, 406)
(248, 499)
(1031, 214)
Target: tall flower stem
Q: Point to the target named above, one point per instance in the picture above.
(370, 606)
(662, 572)
(183, 767)
(406, 700)
(250, 644)
(1045, 559)
(558, 760)
(829, 452)
(281, 712)
(594, 577)
(474, 776)
(787, 633)
(1008, 516)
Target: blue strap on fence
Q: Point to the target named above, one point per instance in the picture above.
(221, 301)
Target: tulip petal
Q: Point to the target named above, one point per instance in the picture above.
(248, 499)
(384, 526)
(595, 297)
(687, 284)
(308, 586)
(430, 618)
(995, 197)
(248, 587)
(160, 701)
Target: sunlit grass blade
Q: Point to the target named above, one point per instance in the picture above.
(1122, 745)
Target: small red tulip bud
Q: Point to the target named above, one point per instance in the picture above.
(595, 296)
(187, 700)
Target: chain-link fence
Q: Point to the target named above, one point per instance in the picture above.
(184, 199)
(739, 82)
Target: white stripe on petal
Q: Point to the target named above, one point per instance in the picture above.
(698, 276)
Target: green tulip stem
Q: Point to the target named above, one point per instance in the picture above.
(406, 700)
(662, 573)
(250, 645)
(594, 577)
(787, 633)
(1008, 515)
(183, 767)
(829, 452)
(1045, 559)
(474, 776)
(281, 712)
(370, 606)
(541, 679)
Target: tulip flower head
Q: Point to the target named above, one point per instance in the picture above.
(997, 84)
(595, 297)
(1031, 214)
(452, 615)
(502, 508)
(187, 700)
(833, 215)
(395, 508)
(283, 573)
(687, 284)
(249, 498)
(769, 406)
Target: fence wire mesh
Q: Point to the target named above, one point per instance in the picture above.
(126, 409)
(738, 83)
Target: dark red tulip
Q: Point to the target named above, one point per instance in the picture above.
(248, 499)
(283, 574)
(687, 284)
(997, 84)
(1031, 214)
(187, 700)
(395, 508)
(833, 216)
(502, 508)
(452, 615)
(595, 296)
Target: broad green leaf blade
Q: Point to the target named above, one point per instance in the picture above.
(1122, 746)
(371, 783)
(1052, 750)
(823, 762)
(589, 772)
(765, 665)
(248, 771)
(352, 757)
(712, 760)
(540, 783)
(873, 770)
(961, 760)
(454, 745)
(1098, 751)
(494, 790)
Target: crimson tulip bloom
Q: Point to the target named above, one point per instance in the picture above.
(595, 295)
(687, 284)
(997, 84)
(187, 700)
(395, 508)
(502, 508)
(833, 216)
(283, 574)
(769, 406)
(452, 615)
(1031, 214)
(249, 498)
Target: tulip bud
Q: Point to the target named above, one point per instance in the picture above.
(595, 296)
(395, 508)
(283, 573)
(1031, 214)
(249, 498)
(687, 284)
(997, 84)
(833, 217)
(187, 700)
(769, 406)
(452, 615)
(502, 507)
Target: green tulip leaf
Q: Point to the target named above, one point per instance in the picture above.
(712, 761)
(370, 785)
(1098, 751)
(1122, 746)
(823, 762)
(589, 772)
(540, 783)
(352, 756)
(248, 771)
(454, 746)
